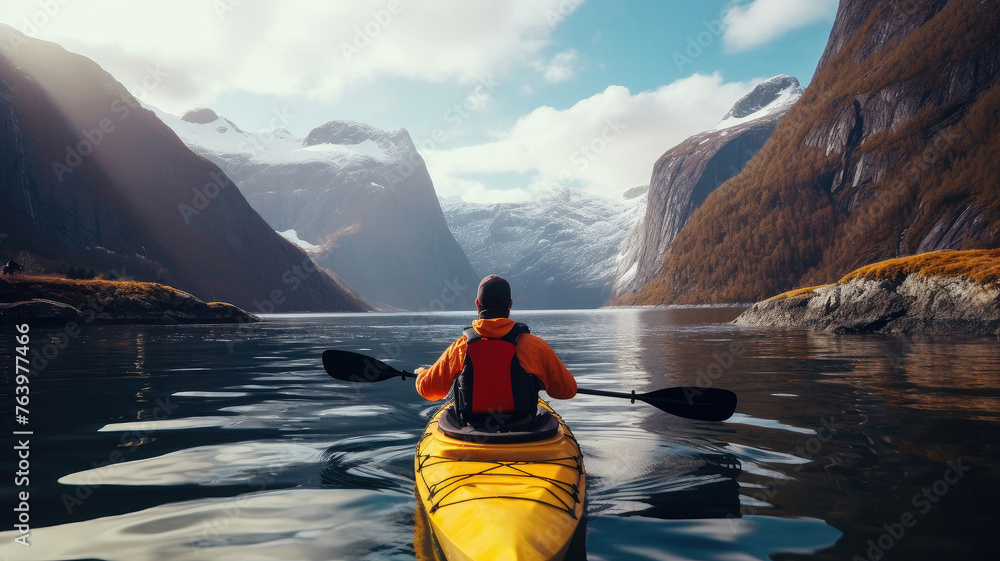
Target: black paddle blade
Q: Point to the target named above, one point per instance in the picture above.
(703, 404)
(354, 367)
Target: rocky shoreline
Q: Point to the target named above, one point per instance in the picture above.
(49, 300)
(914, 302)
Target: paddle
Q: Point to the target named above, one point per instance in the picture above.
(690, 402)
(355, 367)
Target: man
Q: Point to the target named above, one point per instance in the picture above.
(496, 367)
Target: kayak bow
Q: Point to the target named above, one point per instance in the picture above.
(516, 500)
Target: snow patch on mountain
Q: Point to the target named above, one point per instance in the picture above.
(293, 236)
(772, 96)
(558, 250)
(277, 146)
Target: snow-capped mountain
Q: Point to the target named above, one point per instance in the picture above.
(129, 196)
(687, 173)
(774, 96)
(359, 197)
(558, 250)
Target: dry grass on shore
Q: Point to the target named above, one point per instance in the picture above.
(14, 288)
(978, 265)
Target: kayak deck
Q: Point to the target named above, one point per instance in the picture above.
(501, 501)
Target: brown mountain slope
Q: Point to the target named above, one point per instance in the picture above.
(686, 174)
(90, 178)
(891, 151)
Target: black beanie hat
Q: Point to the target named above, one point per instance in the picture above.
(494, 297)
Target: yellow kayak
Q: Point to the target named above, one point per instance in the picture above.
(506, 496)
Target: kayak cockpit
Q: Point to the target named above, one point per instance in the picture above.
(543, 427)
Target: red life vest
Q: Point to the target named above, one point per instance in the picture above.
(493, 388)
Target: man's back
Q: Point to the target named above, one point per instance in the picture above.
(496, 378)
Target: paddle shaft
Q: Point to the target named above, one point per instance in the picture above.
(706, 404)
(630, 396)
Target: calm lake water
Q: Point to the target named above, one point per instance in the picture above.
(231, 443)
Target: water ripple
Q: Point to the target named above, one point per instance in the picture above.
(203, 465)
(306, 524)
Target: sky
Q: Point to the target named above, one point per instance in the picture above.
(503, 98)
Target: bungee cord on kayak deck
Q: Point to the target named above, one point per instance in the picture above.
(497, 468)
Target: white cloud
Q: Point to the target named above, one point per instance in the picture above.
(602, 144)
(319, 49)
(477, 192)
(561, 67)
(747, 26)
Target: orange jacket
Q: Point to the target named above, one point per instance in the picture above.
(534, 354)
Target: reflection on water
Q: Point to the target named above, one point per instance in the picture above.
(225, 442)
(287, 524)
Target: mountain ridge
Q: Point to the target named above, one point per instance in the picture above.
(91, 178)
(361, 195)
(558, 250)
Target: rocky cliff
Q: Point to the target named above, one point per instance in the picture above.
(91, 179)
(361, 198)
(687, 173)
(948, 291)
(890, 152)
